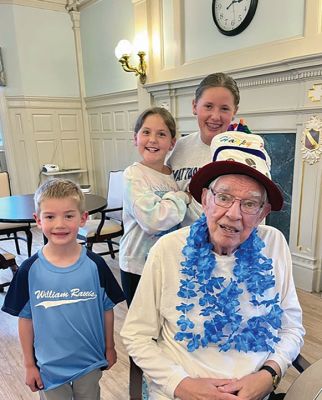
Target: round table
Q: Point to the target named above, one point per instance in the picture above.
(307, 385)
(20, 208)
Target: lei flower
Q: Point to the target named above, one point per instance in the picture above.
(219, 300)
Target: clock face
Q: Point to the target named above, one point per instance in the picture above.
(233, 16)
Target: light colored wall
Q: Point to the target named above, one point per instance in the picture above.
(280, 30)
(202, 38)
(38, 50)
(40, 106)
(103, 24)
(8, 43)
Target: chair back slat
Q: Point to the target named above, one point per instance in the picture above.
(7, 260)
(109, 228)
(10, 230)
(4, 184)
(115, 194)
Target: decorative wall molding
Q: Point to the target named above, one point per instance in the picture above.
(315, 94)
(307, 273)
(86, 3)
(278, 78)
(305, 261)
(72, 5)
(312, 140)
(128, 96)
(42, 102)
(53, 5)
(296, 69)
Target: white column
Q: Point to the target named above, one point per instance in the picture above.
(306, 221)
(72, 8)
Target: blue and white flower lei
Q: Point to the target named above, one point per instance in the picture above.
(220, 300)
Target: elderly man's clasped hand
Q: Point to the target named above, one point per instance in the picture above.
(250, 387)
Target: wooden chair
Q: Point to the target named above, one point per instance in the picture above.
(300, 363)
(110, 225)
(8, 229)
(7, 260)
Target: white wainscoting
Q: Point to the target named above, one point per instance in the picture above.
(42, 131)
(111, 122)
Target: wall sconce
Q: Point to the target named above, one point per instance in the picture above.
(123, 52)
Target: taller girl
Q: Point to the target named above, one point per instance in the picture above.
(215, 105)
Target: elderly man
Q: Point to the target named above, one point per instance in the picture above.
(216, 315)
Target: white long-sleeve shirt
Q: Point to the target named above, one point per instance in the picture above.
(189, 154)
(152, 205)
(151, 324)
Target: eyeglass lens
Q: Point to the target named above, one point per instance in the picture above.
(227, 200)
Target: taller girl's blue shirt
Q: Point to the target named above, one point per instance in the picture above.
(67, 308)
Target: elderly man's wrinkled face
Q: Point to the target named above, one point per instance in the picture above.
(229, 226)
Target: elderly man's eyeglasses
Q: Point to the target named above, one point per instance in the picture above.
(226, 200)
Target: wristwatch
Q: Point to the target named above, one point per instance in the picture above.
(275, 376)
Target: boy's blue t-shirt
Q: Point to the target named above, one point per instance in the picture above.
(67, 308)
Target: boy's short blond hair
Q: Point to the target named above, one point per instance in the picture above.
(58, 188)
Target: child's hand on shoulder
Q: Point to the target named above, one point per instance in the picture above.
(111, 356)
(189, 196)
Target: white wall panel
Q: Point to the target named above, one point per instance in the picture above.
(71, 153)
(111, 132)
(94, 122)
(98, 162)
(110, 157)
(18, 125)
(106, 121)
(49, 130)
(126, 152)
(120, 121)
(68, 122)
(42, 123)
(46, 150)
(27, 178)
(133, 114)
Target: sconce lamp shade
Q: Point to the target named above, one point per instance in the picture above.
(123, 47)
(123, 51)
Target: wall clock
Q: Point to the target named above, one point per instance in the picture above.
(233, 16)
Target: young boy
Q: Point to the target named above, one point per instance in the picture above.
(64, 297)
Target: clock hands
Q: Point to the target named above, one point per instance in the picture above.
(233, 2)
(233, 16)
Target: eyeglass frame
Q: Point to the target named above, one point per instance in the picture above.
(234, 198)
